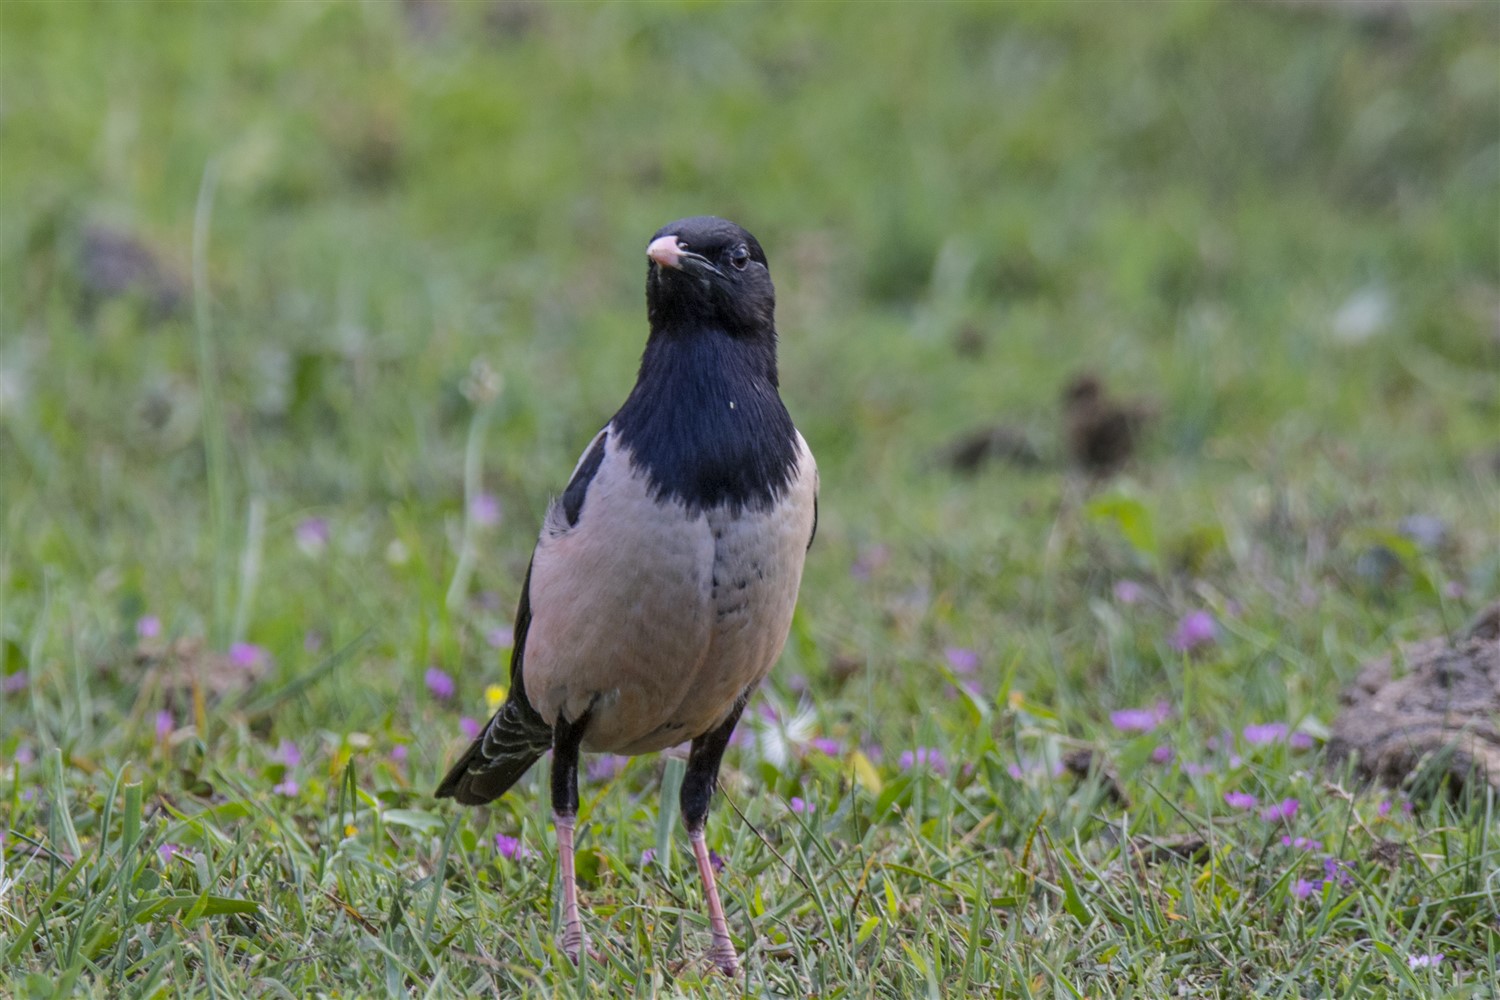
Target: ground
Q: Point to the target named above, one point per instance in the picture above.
(306, 310)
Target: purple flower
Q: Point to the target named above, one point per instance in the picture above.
(1300, 741)
(648, 856)
(512, 849)
(1384, 809)
(471, 727)
(1280, 811)
(1240, 800)
(398, 753)
(287, 753)
(1424, 961)
(1301, 843)
(1197, 770)
(1262, 733)
(247, 656)
(1140, 720)
(800, 805)
(165, 724)
(1196, 628)
(929, 757)
(1163, 754)
(148, 627)
(1302, 888)
(13, 683)
(484, 510)
(826, 745)
(312, 536)
(289, 788)
(501, 637)
(312, 640)
(963, 661)
(167, 852)
(439, 684)
(1337, 872)
(606, 766)
(717, 860)
(1129, 592)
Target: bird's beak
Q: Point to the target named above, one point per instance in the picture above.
(666, 251)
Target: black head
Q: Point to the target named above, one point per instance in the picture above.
(708, 272)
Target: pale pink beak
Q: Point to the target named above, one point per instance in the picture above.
(666, 251)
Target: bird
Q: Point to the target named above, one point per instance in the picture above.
(663, 582)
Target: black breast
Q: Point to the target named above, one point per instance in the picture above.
(706, 424)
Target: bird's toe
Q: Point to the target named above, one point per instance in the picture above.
(574, 942)
(724, 958)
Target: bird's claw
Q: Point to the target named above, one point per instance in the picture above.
(574, 942)
(722, 954)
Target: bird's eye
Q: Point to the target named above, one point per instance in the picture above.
(739, 257)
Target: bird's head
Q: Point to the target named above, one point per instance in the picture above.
(708, 272)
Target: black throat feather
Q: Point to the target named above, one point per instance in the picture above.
(705, 422)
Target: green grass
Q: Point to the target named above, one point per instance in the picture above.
(384, 203)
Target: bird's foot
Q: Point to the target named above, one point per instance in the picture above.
(722, 954)
(574, 942)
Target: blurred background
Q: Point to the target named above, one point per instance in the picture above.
(306, 309)
(1151, 357)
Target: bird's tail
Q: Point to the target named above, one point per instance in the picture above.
(515, 738)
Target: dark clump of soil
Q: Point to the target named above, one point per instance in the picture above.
(998, 443)
(1102, 432)
(1085, 763)
(1182, 847)
(1434, 726)
(113, 263)
(1098, 433)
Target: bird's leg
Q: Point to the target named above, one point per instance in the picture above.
(697, 790)
(566, 737)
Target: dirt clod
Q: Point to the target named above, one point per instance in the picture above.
(1102, 432)
(1434, 725)
(114, 263)
(1083, 763)
(997, 443)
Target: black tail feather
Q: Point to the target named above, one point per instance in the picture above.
(474, 781)
(514, 740)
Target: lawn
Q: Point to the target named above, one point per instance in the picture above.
(306, 310)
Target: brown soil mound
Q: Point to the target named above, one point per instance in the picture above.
(1439, 721)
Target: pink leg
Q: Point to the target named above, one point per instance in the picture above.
(721, 952)
(572, 940)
